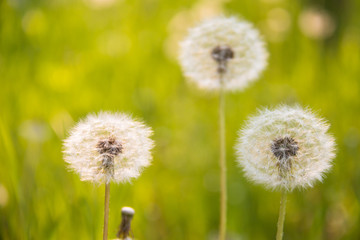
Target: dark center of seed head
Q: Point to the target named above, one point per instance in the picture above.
(284, 148)
(109, 148)
(221, 54)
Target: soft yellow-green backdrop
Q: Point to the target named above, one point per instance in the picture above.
(61, 59)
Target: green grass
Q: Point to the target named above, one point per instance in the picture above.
(60, 59)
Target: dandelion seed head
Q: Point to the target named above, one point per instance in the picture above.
(223, 45)
(108, 147)
(285, 148)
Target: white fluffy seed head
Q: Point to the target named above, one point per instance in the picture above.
(108, 147)
(249, 55)
(285, 148)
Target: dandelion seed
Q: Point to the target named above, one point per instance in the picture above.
(108, 147)
(285, 148)
(226, 46)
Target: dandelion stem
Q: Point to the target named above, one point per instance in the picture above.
(282, 211)
(106, 211)
(222, 162)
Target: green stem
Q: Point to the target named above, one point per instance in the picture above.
(106, 211)
(222, 163)
(282, 211)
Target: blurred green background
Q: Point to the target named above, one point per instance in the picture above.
(61, 59)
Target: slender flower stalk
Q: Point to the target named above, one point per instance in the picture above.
(222, 163)
(106, 148)
(223, 54)
(285, 148)
(282, 212)
(106, 211)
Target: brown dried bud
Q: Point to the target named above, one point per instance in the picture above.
(127, 214)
